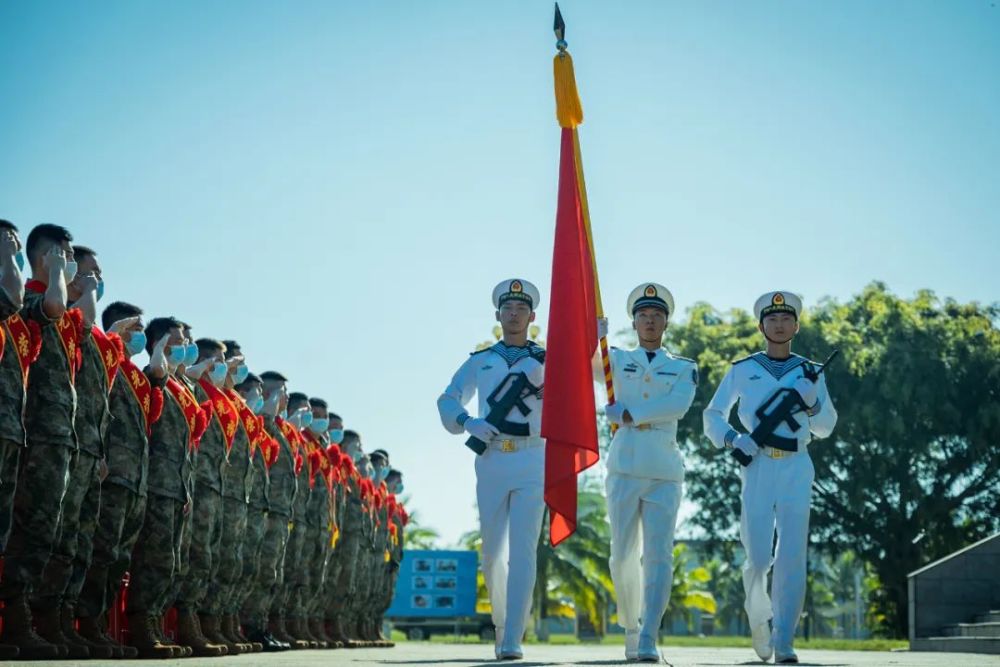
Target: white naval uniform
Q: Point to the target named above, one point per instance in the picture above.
(510, 487)
(645, 481)
(777, 488)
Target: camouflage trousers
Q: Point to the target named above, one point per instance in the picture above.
(288, 602)
(270, 574)
(253, 542)
(118, 526)
(156, 560)
(204, 548)
(341, 591)
(222, 587)
(330, 605)
(361, 584)
(41, 485)
(314, 559)
(63, 576)
(10, 454)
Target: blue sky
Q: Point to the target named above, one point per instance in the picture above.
(339, 185)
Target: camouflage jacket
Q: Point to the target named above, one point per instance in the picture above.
(211, 456)
(126, 444)
(11, 379)
(92, 414)
(170, 459)
(50, 399)
(284, 484)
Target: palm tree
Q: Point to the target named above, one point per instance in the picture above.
(420, 537)
(690, 587)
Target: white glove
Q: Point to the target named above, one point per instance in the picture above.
(615, 413)
(602, 327)
(480, 428)
(807, 390)
(746, 444)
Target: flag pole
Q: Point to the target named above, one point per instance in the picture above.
(569, 113)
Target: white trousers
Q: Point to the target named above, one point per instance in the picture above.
(510, 489)
(776, 496)
(648, 507)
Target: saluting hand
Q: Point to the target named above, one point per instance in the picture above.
(55, 259)
(8, 244)
(158, 359)
(86, 283)
(124, 324)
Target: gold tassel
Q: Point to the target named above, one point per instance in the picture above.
(569, 113)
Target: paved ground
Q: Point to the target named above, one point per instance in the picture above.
(470, 655)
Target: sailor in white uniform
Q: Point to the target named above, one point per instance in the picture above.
(777, 482)
(510, 471)
(653, 390)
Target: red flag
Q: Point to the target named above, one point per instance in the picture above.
(569, 419)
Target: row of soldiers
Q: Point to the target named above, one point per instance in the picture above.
(190, 485)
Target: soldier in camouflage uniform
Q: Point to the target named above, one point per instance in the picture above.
(196, 626)
(251, 394)
(350, 543)
(157, 558)
(289, 603)
(123, 490)
(53, 603)
(237, 479)
(281, 495)
(14, 362)
(394, 483)
(50, 407)
(317, 521)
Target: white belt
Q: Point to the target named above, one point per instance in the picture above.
(508, 444)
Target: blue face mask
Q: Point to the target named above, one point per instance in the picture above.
(306, 419)
(176, 355)
(255, 404)
(19, 258)
(191, 355)
(337, 436)
(242, 371)
(100, 289)
(319, 424)
(218, 372)
(283, 414)
(136, 343)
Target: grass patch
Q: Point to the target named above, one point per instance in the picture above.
(693, 641)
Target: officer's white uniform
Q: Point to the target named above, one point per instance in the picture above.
(510, 475)
(777, 485)
(645, 477)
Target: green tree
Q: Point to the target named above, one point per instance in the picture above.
(912, 471)
(419, 537)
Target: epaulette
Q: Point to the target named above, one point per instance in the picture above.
(677, 356)
(746, 358)
(485, 349)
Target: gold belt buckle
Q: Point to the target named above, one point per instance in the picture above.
(644, 427)
(507, 446)
(777, 453)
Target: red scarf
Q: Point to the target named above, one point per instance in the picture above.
(224, 409)
(111, 350)
(194, 414)
(26, 339)
(150, 398)
(70, 330)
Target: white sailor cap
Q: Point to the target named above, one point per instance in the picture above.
(778, 302)
(650, 295)
(516, 289)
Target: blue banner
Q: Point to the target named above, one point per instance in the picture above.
(436, 584)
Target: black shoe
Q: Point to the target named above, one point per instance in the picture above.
(269, 643)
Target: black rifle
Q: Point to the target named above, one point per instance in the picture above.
(788, 403)
(508, 395)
